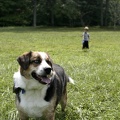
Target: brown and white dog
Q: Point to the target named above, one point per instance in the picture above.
(39, 86)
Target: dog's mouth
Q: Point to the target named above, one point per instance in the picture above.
(41, 79)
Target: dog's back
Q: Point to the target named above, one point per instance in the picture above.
(60, 82)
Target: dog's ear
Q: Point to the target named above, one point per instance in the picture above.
(24, 60)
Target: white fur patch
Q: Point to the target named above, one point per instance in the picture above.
(32, 101)
(43, 55)
(71, 80)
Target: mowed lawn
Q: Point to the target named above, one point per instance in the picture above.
(96, 93)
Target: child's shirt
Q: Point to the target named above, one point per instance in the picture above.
(86, 36)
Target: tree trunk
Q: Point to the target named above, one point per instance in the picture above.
(106, 12)
(101, 16)
(34, 13)
(52, 17)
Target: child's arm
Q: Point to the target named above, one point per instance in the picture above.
(89, 36)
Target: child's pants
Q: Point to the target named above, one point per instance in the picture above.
(85, 45)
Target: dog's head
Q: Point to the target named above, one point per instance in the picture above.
(37, 65)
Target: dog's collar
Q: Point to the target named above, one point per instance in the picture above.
(23, 91)
(18, 90)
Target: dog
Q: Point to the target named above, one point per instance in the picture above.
(40, 85)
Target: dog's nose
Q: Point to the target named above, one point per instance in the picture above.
(47, 70)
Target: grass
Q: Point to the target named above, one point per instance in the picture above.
(96, 93)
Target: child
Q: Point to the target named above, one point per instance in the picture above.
(86, 38)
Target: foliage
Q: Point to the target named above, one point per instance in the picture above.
(114, 12)
(57, 12)
(96, 93)
(14, 12)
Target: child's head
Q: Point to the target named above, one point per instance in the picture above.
(86, 28)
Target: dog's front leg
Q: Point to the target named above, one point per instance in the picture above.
(22, 116)
(49, 116)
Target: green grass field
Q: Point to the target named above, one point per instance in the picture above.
(96, 93)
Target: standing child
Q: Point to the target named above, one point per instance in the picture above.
(86, 38)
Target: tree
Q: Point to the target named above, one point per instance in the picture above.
(114, 10)
(106, 12)
(14, 12)
(59, 12)
(88, 12)
(101, 13)
(71, 14)
(34, 12)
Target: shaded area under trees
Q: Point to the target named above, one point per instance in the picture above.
(59, 12)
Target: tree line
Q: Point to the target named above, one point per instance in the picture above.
(59, 12)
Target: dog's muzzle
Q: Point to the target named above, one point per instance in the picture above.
(44, 79)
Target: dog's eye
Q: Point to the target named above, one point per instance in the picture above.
(49, 62)
(36, 61)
